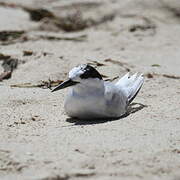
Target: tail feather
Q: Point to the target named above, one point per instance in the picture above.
(124, 80)
(131, 85)
(136, 88)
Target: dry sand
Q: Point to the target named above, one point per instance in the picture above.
(37, 139)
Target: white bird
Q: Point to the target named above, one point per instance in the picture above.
(90, 96)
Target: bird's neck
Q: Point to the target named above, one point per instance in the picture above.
(87, 89)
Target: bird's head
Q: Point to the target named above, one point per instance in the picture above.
(82, 75)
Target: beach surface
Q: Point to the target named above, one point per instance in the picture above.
(40, 41)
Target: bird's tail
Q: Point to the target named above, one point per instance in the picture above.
(130, 85)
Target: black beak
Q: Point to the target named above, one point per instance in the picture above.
(64, 84)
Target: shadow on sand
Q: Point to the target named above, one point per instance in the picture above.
(133, 107)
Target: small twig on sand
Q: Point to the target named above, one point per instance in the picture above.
(43, 84)
(52, 38)
(122, 64)
(112, 79)
(151, 75)
(96, 63)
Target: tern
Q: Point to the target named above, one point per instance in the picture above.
(89, 96)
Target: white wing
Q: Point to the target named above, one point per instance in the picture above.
(130, 85)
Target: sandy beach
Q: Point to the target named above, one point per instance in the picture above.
(40, 41)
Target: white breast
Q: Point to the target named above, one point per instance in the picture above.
(95, 104)
(89, 106)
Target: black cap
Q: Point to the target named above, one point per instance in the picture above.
(90, 72)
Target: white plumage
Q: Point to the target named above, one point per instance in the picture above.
(91, 97)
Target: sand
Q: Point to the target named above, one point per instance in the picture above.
(37, 139)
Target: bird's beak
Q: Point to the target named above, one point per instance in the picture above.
(65, 84)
